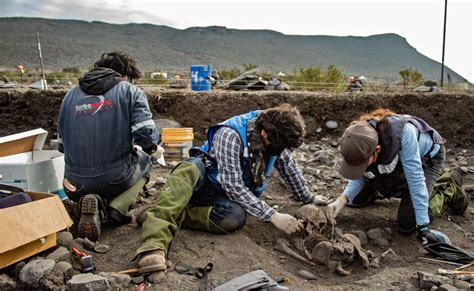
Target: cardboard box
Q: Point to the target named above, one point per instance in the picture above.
(30, 228)
(24, 164)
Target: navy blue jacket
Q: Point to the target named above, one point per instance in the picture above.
(99, 122)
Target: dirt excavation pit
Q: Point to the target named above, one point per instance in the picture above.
(256, 246)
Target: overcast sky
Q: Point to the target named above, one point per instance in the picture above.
(419, 21)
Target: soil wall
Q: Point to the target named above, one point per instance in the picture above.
(451, 114)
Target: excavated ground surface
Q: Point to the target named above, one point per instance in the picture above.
(253, 247)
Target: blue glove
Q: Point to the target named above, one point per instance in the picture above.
(428, 236)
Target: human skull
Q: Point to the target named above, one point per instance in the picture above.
(314, 218)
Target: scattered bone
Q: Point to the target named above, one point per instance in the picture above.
(356, 243)
(282, 245)
(307, 275)
(375, 262)
(370, 254)
(312, 240)
(301, 248)
(334, 252)
(341, 271)
(389, 251)
(322, 253)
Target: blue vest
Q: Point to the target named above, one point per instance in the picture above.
(239, 124)
(390, 140)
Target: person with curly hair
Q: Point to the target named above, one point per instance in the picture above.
(100, 121)
(216, 188)
(394, 155)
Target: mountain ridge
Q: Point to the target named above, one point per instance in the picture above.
(79, 43)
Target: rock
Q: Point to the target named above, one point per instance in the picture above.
(465, 170)
(334, 143)
(462, 284)
(375, 233)
(427, 280)
(160, 180)
(60, 254)
(88, 281)
(307, 275)
(157, 277)
(361, 235)
(18, 268)
(319, 129)
(139, 279)
(53, 280)
(79, 240)
(447, 287)
(116, 280)
(471, 210)
(331, 124)
(65, 268)
(7, 283)
(64, 238)
(32, 272)
(381, 242)
(434, 288)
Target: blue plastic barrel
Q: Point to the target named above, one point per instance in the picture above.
(200, 77)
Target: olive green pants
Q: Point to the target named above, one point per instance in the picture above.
(447, 192)
(124, 201)
(163, 218)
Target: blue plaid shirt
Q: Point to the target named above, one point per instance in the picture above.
(227, 149)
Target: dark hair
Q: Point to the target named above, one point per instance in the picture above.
(120, 62)
(284, 126)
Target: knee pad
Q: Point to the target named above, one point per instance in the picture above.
(230, 216)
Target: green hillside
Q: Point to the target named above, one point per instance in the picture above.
(72, 43)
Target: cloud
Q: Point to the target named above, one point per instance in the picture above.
(107, 11)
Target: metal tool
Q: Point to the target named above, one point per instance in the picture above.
(439, 261)
(87, 264)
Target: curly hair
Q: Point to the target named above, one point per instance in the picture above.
(120, 62)
(284, 125)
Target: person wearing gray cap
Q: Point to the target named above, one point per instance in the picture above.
(392, 155)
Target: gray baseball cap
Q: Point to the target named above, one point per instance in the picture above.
(357, 145)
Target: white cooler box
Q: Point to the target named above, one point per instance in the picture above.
(24, 164)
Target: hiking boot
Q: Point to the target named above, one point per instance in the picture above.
(460, 201)
(458, 176)
(140, 216)
(114, 215)
(89, 222)
(152, 261)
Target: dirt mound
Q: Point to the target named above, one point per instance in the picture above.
(451, 114)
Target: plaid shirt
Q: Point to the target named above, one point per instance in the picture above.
(227, 149)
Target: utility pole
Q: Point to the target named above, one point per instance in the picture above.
(444, 40)
(43, 80)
